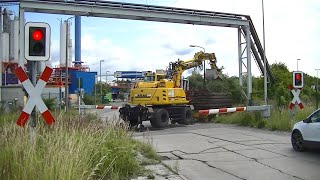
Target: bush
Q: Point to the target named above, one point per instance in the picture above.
(89, 100)
(121, 96)
(50, 103)
(261, 124)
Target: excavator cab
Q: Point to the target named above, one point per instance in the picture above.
(151, 77)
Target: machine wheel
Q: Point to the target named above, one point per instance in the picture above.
(186, 115)
(297, 141)
(160, 118)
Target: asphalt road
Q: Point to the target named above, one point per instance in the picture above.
(216, 151)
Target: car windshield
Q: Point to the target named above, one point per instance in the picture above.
(315, 117)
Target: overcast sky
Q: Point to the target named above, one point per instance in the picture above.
(292, 32)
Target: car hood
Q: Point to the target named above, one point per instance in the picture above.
(298, 124)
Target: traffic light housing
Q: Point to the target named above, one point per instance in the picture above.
(297, 79)
(37, 41)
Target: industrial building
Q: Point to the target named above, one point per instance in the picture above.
(79, 75)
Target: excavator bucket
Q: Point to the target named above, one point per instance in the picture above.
(213, 74)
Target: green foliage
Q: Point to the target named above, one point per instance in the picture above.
(196, 81)
(243, 119)
(7, 118)
(105, 89)
(69, 149)
(121, 96)
(88, 100)
(278, 92)
(279, 120)
(147, 151)
(50, 103)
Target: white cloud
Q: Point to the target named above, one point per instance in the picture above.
(291, 29)
(291, 33)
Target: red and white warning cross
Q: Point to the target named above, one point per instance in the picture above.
(296, 98)
(34, 96)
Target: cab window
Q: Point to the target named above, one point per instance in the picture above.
(159, 77)
(149, 78)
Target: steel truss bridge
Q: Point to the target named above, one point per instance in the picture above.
(249, 44)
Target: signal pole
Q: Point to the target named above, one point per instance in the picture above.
(37, 44)
(66, 93)
(67, 68)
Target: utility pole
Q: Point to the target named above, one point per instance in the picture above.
(101, 83)
(264, 59)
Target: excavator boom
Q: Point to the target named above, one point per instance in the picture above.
(176, 69)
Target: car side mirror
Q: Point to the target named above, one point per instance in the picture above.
(307, 120)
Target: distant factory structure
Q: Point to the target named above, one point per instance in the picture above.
(67, 74)
(79, 75)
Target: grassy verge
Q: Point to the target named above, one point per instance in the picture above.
(278, 121)
(70, 149)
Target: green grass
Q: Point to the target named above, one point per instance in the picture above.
(278, 121)
(70, 149)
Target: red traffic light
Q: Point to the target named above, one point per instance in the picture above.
(37, 35)
(298, 76)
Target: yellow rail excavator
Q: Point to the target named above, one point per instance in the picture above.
(160, 98)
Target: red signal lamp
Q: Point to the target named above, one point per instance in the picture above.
(37, 35)
(298, 77)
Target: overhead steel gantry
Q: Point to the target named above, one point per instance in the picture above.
(247, 35)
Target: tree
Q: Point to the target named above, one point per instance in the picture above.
(278, 91)
(121, 96)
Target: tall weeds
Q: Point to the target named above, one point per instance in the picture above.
(69, 149)
(281, 121)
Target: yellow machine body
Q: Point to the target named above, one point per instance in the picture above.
(158, 93)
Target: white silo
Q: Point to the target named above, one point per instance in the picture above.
(5, 40)
(5, 47)
(69, 45)
(63, 43)
(14, 40)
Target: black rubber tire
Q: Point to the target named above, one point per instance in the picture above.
(160, 118)
(297, 141)
(186, 116)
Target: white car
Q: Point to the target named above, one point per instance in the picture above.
(306, 133)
